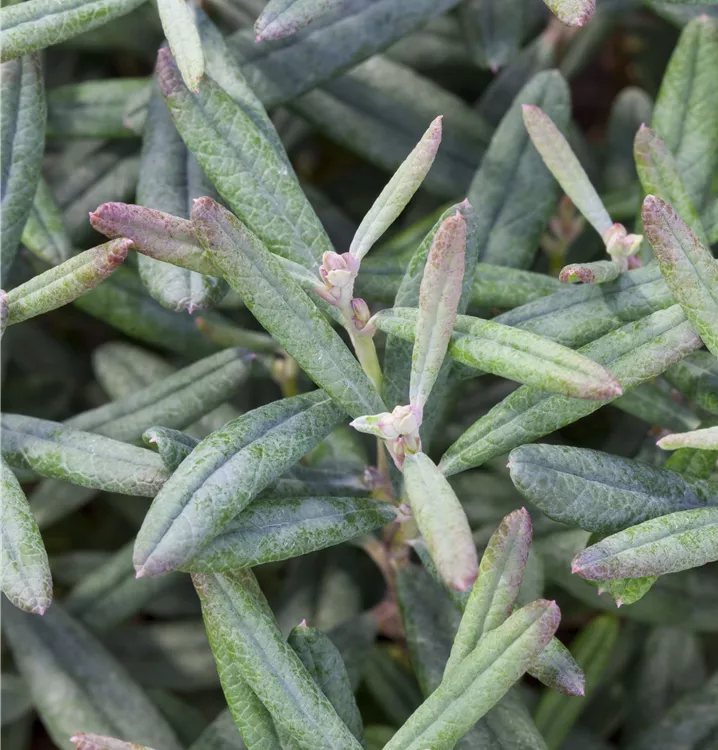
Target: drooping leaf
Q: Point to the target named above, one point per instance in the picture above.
(26, 578)
(249, 648)
(22, 139)
(53, 450)
(67, 673)
(284, 309)
(667, 544)
(225, 472)
(40, 23)
(45, 234)
(600, 492)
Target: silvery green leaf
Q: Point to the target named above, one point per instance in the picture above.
(45, 234)
(40, 23)
(53, 450)
(283, 309)
(86, 741)
(598, 272)
(441, 521)
(635, 354)
(228, 335)
(26, 578)
(439, 297)
(493, 30)
(696, 377)
(273, 529)
(122, 368)
(22, 139)
(281, 18)
(225, 472)
(705, 439)
(398, 192)
(183, 38)
(250, 650)
(631, 109)
(572, 12)
(565, 167)
(52, 500)
(600, 492)
(172, 445)
(662, 545)
(480, 681)
(65, 283)
(67, 670)
(176, 401)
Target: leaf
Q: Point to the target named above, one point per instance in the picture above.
(227, 335)
(242, 162)
(493, 596)
(667, 544)
(696, 377)
(438, 302)
(65, 283)
(556, 668)
(67, 673)
(600, 492)
(628, 590)
(172, 445)
(705, 439)
(283, 309)
(500, 659)
(41, 23)
(52, 500)
(635, 353)
(45, 234)
(84, 741)
(273, 529)
(514, 190)
(398, 192)
(565, 167)
(176, 401)
(26, 578)
(656, 405)
(225, 472)
(248, 646)
(53, 450)
(692, 462)
(324, 663)
(282, 18)
(572, 12)
(512, 353)
(493, 31)
(505, 288)
(22, 139)
(686, 111)
(598, 272)
(122, 368)
(169, 180)
(592, 649)
(183, 39)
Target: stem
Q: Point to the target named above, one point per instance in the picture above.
(366, 353)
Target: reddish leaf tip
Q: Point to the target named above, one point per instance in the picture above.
(141, 573)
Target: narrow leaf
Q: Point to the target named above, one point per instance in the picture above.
(572, 12)
(26, 578)
(598, 272)
(22, 140)
(84, 741)
(183, 39)
(45, 234)
(172, 445)
(283, 309)
(696, 378)
(53, 450)
(667, 544)
(282, 18)
(442, 522)
(228, 335)
(225, 472)
(398, 192)
(705, 439)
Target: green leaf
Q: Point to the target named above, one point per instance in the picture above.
(169, 180)
(513, 191)
(628, 590)
(65, 283)
(692, 462)
(242, 162)
(493, 30)
(480, 681)
(183, 39)
(696, 377)
(572, 12)
(493, 596)
(282, 18)
(172, 445)
(67, 673)
(592, 649)
(273, 529)
(324, 663)
(22, 140)
(688, 267)
(41, 23)
(705, 439)
(26, 578)
(655, 404)
(442, 521)
(598, 272)
(85, 741)
(52, 500)
(176, 401)
(505, 288)
(556, 668)
(667, 544)
(635, 353)
(53, 450)
(398, 192)
(283, 309)
(512, 353)
(686, 111)
(227, 334)
(600, 492)
(249, 647)
(225, 472)
(122, 368)
(45, 234)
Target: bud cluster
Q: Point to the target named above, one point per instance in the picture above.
(399, 429)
